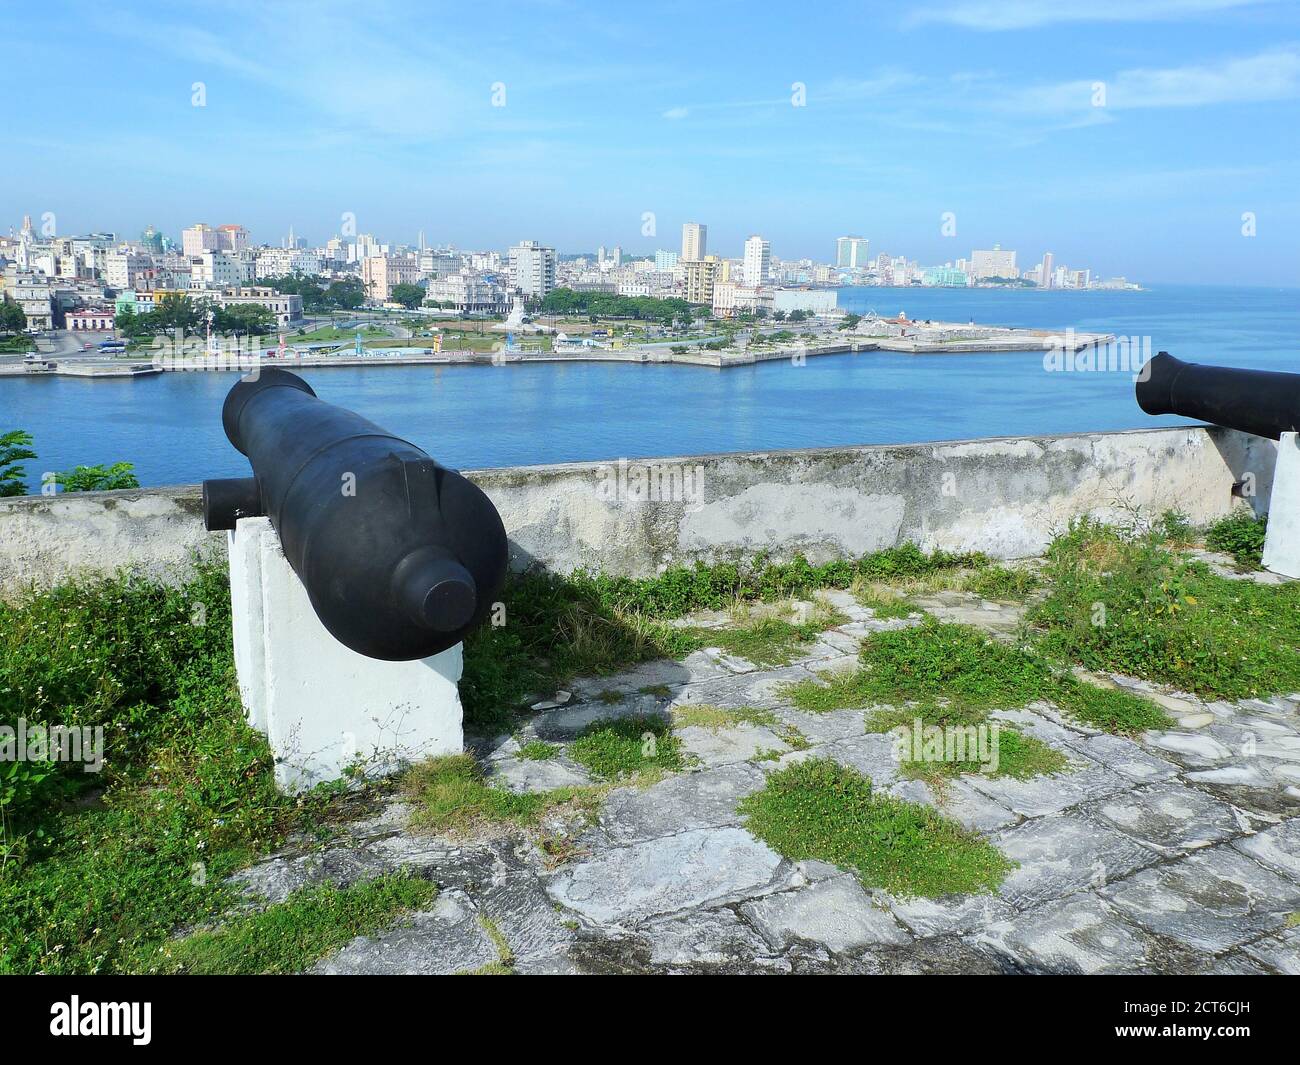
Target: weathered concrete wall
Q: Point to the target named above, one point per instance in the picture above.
(1005, 496)
(155, 531)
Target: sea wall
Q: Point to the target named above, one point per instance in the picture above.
(1005, 496)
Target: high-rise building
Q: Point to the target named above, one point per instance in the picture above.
(701, 276)
(665, 261)
(851, 252)
(995, 263)
(532, 268)
(233, 238)
(758, 260)
(123, 269)
(1048, 280)
(200, 238)
(695, 241)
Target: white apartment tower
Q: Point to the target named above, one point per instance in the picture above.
(532, 268)
(695, 241)
(758, 260)
(851, 252)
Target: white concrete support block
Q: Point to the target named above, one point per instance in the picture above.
(1282, 540)
(324, 708)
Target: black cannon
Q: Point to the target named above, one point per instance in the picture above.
(1262, 402)
(400, 557)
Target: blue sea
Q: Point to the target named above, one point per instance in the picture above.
(169, 425)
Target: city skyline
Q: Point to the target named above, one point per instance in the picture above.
(1139, 141)
(849, 251)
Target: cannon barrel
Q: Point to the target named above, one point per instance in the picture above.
(1262, 402)
(400, 557)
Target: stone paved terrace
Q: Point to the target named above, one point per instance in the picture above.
(1176, 852)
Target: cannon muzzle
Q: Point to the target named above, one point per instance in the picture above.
(400, 557)
(1262, 402)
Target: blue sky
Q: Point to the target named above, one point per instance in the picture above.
(988, 110)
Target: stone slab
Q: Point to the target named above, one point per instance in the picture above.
(1277, 847)
(871, 754)
(836, 914)
(1213, 900)
(666, 875)
(951, 914)
(569, 721)
(1063, 854)
(523, 913)
(708, 938)
(721, 746)
(530, 775)
(275, 879)
(705, 799)
(1191, 748)
(1053, 793)
(447, 938)
(825, 728)
(1280, 953)
(1127, 758)
(959, 801)
(1079, 935)
(1169, 816)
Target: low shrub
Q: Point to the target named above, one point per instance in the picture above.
(1240, 535)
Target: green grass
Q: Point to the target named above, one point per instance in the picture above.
(451, 796)
(821, 810)
(766, 642)
(1109, 709)
(1000, 582)
(1018, 756)
(329, 333)
(927, 663)
(97, 868)
(950, 674)
(626, 747)
(1175, 529)
(504, 965)
(538, 751)
(1240, 535)
(1021, 757)
(187, 794)
(97, 871)
(704, 715)
(557, 628)
(290, 936)
(1122, 603)
(885, 602)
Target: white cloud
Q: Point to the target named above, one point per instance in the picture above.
(1271, 75)
(1027, 14)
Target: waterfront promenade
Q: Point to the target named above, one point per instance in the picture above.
(929, 338)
